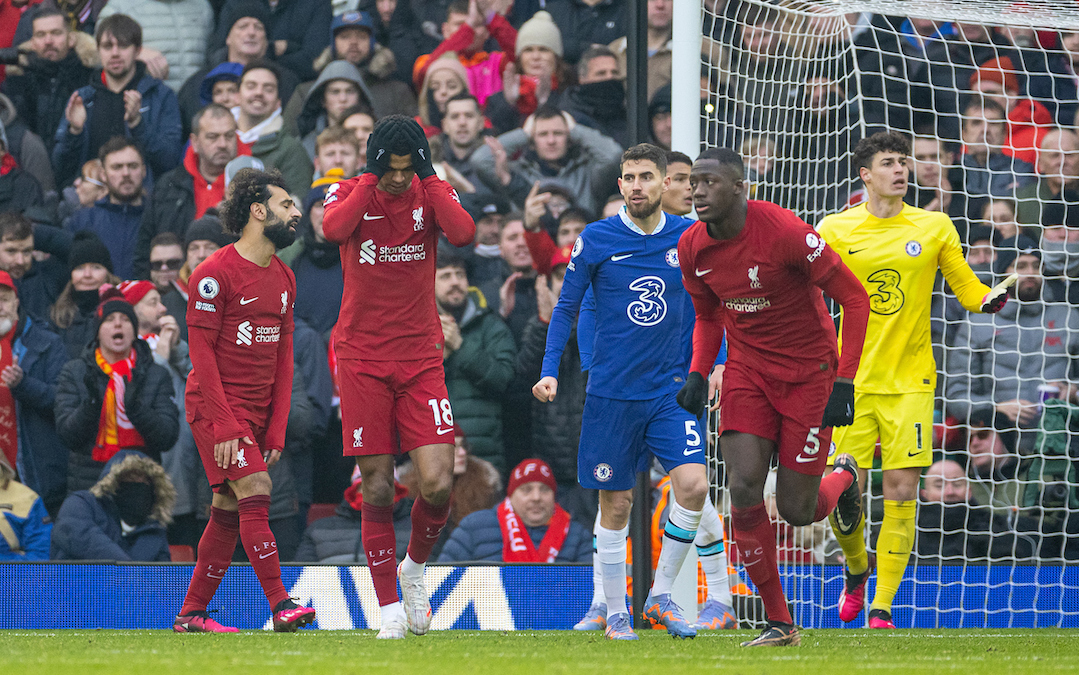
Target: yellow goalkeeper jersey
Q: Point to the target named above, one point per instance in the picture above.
(896, 259)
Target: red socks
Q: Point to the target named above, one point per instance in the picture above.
(427, 523)
(831, 486)
(756, 539)
(215, 553)
(261, 546)
(380, 545)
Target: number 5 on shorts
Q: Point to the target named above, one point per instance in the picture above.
(442, 411)
(812, 446)
(693, 439)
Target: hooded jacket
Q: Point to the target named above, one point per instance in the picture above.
(312, 119)
(117, 225)
(389, 96)
(89, 526)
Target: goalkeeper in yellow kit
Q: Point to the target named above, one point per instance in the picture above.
(895, 250)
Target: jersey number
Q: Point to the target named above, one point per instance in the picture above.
(918, 434)
(692, 437)
(812, 446)
(888, 298)
(650, 308)
(442, 411)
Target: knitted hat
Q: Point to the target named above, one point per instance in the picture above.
(447, 61)
(112, 301)
(540, 31)
(978, 232)
(207, 228)
(661, 101)
(1010, 249)
(226, 71)
(1000, 70)
(531, 471)
(234, 11)
(87, 247)
(135, 291)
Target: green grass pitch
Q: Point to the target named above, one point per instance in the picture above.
(834, 652)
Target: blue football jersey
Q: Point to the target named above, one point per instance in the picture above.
(638, 348)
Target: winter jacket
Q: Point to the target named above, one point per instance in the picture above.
(477, 374)
(42, 284)
(582, 25)
(26, 147)
(179, 29)
(601, 106)
(1001, 178)
(319, 283)
(88, 527)
(479, 539)
(25, 526)
(41, 92)
(43, 457)
(658, 65)
(18, 189)
(556, 426)
(588, 170)
(182, 462)
(171, 208)
(302, 23)
(337, 539)
(312, 119)
(148, 400)
(117, 225)
(389, 96)
(158, 134)
(285, 153)
(484, 69)
(483, 195)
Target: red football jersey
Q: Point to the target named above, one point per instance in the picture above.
(388, 248)
(250, 309)
(765, 286)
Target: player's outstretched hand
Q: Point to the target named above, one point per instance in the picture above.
(545, 389)
(693, 395)
(995, 299)
(840, 409)
(421, 152)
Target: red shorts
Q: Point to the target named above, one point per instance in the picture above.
(788, 413)
(248, 461)
(389, 407)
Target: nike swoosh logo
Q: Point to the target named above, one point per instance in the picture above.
(368, 216)
(380, 562)
(687, 452)
(851, 251)
(267, 555)
(245, 301)
(801, 459)
(913, 454)
(616, 258)
(215, 576)
(701, 273)
(441, 431)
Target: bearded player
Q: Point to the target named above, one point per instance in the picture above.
(239, 318)
(388, 341)
(895, 251)
(757, 270)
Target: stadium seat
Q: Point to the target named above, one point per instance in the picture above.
(181, 553)
(320, 511)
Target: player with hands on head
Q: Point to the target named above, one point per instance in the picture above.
(755, 272)
(390, 346)
(239, 318)
(895, 250)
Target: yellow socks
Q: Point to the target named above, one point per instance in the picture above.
(893, 550)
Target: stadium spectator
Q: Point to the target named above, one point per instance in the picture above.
(27, 528)
(360, 121)
(484, 257)
(997, 364)
(121, 100)
(1060, 244)
(756, 82)
(1000, 215)
(985, 169)
(203, 237)
(932, 188)
(336, 539)
(319, 281)
(660, 17)
(339, 87)
(296, 29)
(72, 315)
(478, 357)
(659, 117)
(166, 258)
(527, 527)
(445, 78)
(221, 86)
(115, 219)
(462, 134)
(185, 193)
(120, 517)
(1058, 167)
(54, 70)
(952, 526)
(551, 223)
(1028, 120)
(19, 190)
(337, 154)
(511, 293)
(1056, 85)
(113, 396)
(26, 147)
(178, 29)
(583, 23)
(259, 123)
(598, 100)
(87, 189)
(992, 464)
(39, 282)
(554, 148)
(537, 77)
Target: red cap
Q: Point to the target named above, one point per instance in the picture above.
(1000, 70)
(562, 256)
(531, 471)
(134, 291)
(5, 280)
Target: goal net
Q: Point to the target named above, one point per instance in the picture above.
(987, 92)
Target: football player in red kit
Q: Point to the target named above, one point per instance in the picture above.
(757, 270)
(239, 319)
(388, 341)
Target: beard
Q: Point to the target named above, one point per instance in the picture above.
(6, 324)
(643, 211)
(280, 233)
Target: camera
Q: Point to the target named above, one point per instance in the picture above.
(1054, 496)
(11, 56)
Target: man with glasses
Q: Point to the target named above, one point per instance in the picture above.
(166, 259)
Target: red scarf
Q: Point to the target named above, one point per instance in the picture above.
(9, 436)
(7, 164)
(115, 430)
(517, 546)
(354, 496)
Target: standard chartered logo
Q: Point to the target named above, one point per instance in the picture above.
(367, 252)
(243, 334)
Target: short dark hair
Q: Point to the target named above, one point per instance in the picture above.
(263, 64)
(15, 226)
(646, 151)
(360, 108)
(882, 141)
(726, 157)
(983, 104)
(165, 239)
(547, 112)
(47, 10)
(457, 7)
(575, 213)
(126, 31)
(593, 52)
(465, 96)
(116, 144)
(248, 186)
(450, 257)
(214, 110)
(675, 157)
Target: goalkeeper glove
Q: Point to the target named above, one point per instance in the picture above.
(693, 395)
(840, 409)
(995, 299)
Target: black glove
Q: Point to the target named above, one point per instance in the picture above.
(378, 154)
(840, 409)
(421, 153)
(693, 395)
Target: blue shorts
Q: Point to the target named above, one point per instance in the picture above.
(619, 439)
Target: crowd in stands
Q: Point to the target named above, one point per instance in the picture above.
(123, 121)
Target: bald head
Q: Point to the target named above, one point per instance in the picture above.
(1058, 154)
